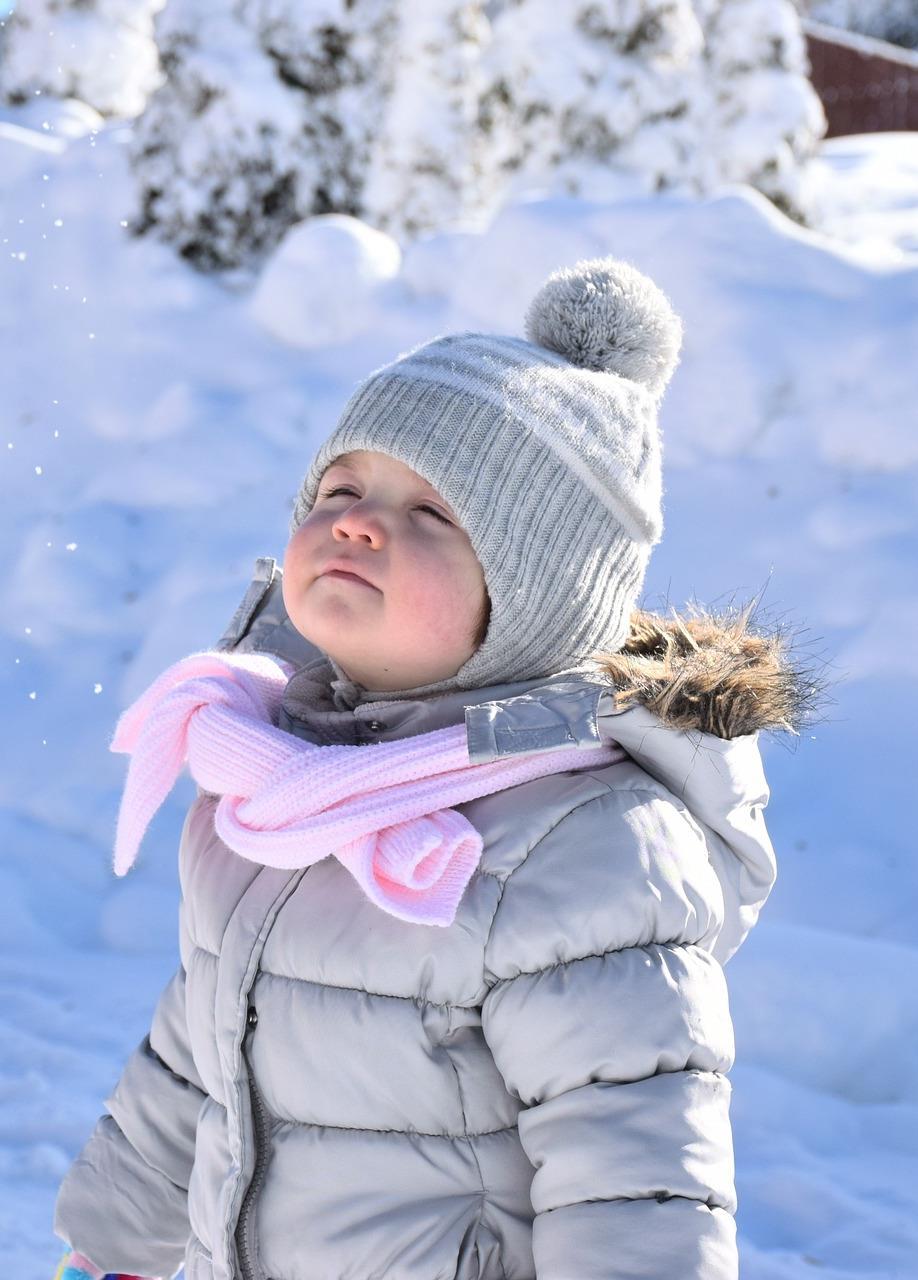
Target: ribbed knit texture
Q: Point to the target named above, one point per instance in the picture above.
(553, 469)
(381, 809)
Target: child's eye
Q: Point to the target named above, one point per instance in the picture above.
(341, 488)
(434, 512)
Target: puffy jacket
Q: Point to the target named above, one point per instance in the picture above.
(538, 1091)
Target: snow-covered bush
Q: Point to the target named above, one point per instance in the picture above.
(652, 94)
(757, 117)
(893, 20)
(414, 116)
(427, 161)
(568, 87)
(100, 51)
(266, 116)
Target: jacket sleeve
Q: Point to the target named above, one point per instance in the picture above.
(608, 1018)
(124, 1200)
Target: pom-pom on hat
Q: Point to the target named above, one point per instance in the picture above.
(548, 450)
(607, 316)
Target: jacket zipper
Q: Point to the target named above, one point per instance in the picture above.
(245, 1227)
(244, 1234)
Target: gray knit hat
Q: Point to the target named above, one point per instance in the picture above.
(548, 451)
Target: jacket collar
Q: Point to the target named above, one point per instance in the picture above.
(717, 674)
(319, 706)
(706, 675)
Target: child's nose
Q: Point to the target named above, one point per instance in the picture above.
(360, 521)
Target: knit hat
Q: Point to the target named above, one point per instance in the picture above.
(547, 449)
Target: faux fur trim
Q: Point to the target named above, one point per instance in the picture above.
(712, 672)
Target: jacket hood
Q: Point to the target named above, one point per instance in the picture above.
(719, 673)
(686, 698)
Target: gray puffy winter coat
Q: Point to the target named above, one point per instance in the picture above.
(538, 1091)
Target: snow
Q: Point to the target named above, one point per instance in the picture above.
(103, 53)
(146, 466)
(321, 284)
(877, 212)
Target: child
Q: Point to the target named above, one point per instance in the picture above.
(488, 1037)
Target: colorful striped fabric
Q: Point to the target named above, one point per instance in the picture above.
(75, 1266)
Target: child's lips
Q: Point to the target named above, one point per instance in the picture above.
(346, 575)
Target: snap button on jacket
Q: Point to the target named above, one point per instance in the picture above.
(537, 1092)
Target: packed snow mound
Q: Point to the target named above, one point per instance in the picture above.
(322, 285)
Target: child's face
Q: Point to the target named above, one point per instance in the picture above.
(413, 621)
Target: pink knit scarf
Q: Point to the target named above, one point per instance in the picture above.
(381, 809)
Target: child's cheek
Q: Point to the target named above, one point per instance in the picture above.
(295, 555)
(296, 564)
